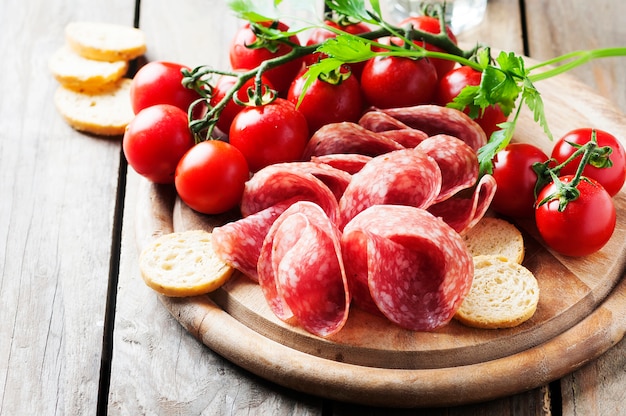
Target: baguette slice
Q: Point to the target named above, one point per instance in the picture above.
(105, 41)
(504, 294)
(78, 73)
(495, 236)
(104, 113)
(183, 264)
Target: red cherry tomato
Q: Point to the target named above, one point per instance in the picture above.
(585, 225)
(269, 134)
(155, 140)
(515, 178)
(389, 81)
(244, 57)
(431, 25)
(223, 85)
(319, 35)
(325, 103)
(612, 178)
(160, 83)
(210, 177)
(451, 85)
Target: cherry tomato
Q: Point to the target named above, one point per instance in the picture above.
(389, 81)
(451, 84)
(325, 103)
(160, 83)
(244, 57)
(612, 178)
(512, 170)
(319, 35)
(223, 85)
(585, 225)
(431, 25)
(155, 140)
(270, 133)
(210, 177)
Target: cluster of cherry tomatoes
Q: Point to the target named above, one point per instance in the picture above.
(587, 222)
(209, 176)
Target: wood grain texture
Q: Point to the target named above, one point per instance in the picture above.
(554, 28)
(58, 192)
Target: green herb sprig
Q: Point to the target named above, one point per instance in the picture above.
(506, 79)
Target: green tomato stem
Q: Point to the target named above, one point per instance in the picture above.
(576, 59)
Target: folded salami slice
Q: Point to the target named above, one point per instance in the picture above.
(277, 183)
(405, 137)
(463, 213)
(434, 119)
(457, 161)
(239, 243)
(402, 177)
(378, 121)
(335, 179)
(350, 163)
(347, 137)
(417, 268)
(301, 270)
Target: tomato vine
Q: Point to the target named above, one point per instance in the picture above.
(506, 80)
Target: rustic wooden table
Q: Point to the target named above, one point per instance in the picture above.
(79, 331)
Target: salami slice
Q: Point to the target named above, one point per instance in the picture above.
(378, 121)
(405, 137)
(350, 163)
(239, 243)
(418, 268)
(301, 270)
(463, 213)
(277, 183)
(433, 120)
(335, 179)
(457, 161)
(347, 137)
(403, 177)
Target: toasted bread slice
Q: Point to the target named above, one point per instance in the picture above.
(504, 294)
(183, 264)
(495, 236)
(105, 41)
(103, 113)
(78, 73)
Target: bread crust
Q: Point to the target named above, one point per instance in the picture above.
(103, 113)
(504, 294)
(81, 74)
(105, 41)
(496, 236)
(181, 264)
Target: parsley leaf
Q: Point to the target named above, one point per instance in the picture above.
(534, 102)
(254, 11)
(347, 48)
(355, 9)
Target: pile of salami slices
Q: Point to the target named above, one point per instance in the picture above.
(372, 216)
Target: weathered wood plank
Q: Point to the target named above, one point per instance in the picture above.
(555, 28)
(58, 192)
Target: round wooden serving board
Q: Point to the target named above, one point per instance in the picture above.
(581, 312)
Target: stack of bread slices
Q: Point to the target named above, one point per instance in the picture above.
(91, 68)
(504, 293)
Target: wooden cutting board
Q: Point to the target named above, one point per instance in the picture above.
(581, 312)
